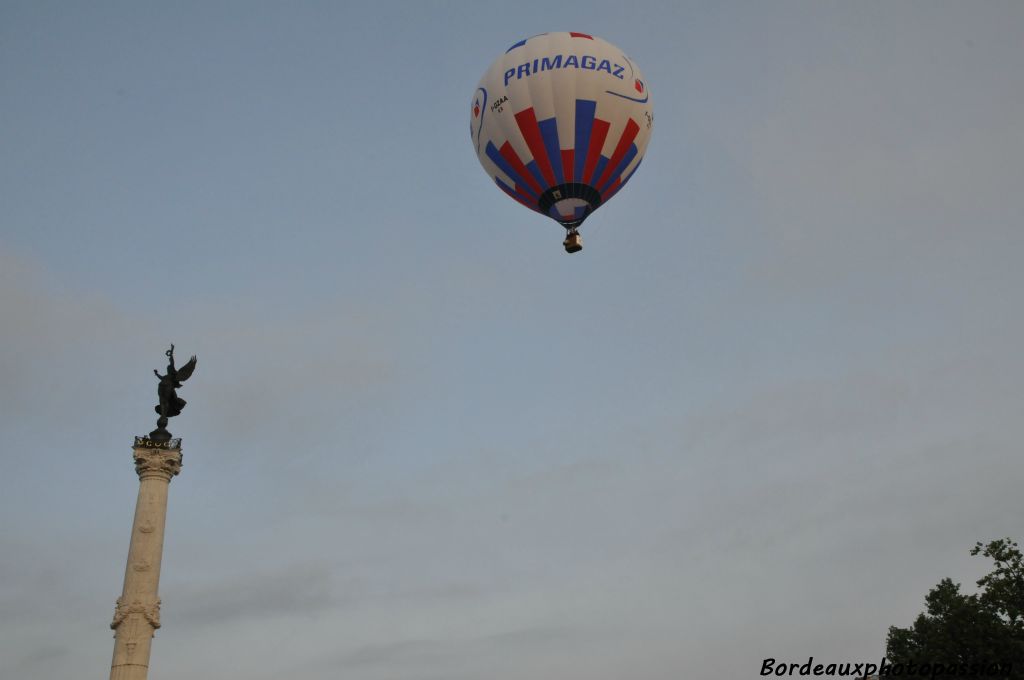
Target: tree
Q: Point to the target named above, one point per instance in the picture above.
(963, 630)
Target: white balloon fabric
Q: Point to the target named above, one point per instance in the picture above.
(561, 122)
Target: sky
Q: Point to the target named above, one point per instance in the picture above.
(774, 401)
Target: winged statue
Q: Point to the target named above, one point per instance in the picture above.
(170, 403)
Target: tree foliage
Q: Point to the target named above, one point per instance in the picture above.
(982, 628)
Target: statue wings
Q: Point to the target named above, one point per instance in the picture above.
(183, 373)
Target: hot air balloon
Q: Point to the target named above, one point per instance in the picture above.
(561, 122)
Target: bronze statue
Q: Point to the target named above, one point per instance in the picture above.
(170, 403)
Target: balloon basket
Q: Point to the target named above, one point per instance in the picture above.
(573, 242)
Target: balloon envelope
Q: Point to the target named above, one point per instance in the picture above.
(561, 122)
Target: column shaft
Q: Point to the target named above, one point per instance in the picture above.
(137, 614)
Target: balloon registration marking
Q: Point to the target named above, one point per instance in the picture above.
(570, 119)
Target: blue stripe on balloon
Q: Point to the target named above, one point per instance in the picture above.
(624, 180)
(504, 186)
(518, 44)
(514, 194)
(532, 167)
(600, 167)
(549, 133)
(495, 155)
(585, 111)
(631, 172)
(623, 164)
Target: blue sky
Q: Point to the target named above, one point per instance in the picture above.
(775, 399)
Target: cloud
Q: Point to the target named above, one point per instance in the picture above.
(75, 357)
(455, 656)
(895, 152)
(300, 590)
(43, 657)
(410, 458)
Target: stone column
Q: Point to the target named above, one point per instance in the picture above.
(137, 614)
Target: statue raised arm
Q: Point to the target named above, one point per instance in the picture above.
(170, 403)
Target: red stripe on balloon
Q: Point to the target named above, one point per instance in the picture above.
(524, 192)
(519, 197)
(567, 161)
(598, 131)
(527, 122)
(611, 190)
(580, 35)
(510, 155)
(628, 135)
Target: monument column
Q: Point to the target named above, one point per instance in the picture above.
(137, 614)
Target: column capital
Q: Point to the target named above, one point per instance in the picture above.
(157, 459)
(151, 611)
